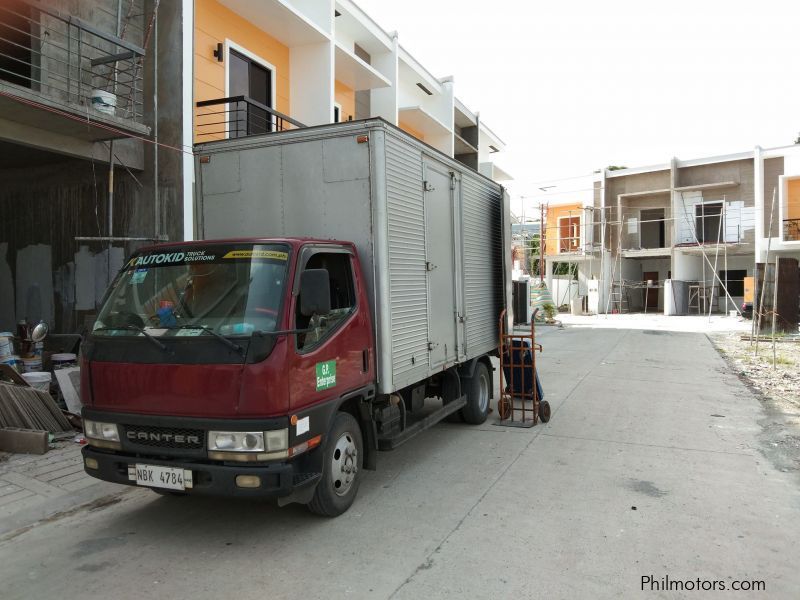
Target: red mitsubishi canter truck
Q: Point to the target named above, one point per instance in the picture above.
(343, 295)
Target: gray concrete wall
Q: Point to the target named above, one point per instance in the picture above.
(741, 197)
(49, 206)
(773, 169)
(629, 184)
(631, 208)
(740, 171)
(46, 206)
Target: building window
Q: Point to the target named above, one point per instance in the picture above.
(652, 233)
(343, 300)
(708, 222)
(735, 281)
(569, 234)
(337, 113)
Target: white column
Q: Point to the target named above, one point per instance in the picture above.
(383, 101)
(758, 204)
(445, 112)
(312, 83)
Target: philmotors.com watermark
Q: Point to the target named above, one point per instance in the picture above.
(652, 583)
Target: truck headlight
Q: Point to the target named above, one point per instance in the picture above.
(102, 435)
(236, 441)
(246, 446)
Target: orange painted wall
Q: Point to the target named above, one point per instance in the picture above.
(215, 23)
(793, 199)
(411, 130)
(552, 230)
(347, 98)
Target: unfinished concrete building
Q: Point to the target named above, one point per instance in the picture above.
(681, 237)
(92, 136)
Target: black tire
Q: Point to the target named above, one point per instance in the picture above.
(544, 411)
(478, 389)
(338, 487)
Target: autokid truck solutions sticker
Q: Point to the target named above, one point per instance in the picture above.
(257, 254)
(213, 253)
(326, 375)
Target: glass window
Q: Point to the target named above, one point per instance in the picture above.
(232, 289)
(343, 300)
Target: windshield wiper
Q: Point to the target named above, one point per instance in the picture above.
(137, 329)
(232, 345)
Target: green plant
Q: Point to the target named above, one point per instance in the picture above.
(549, 311)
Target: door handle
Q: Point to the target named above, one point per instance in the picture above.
(365, 360)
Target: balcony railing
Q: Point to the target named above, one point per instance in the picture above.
(791, 230)
(69, 62)
(239, 116)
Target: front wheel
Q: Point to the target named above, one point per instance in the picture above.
(341, 468)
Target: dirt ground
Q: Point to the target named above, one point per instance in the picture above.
(778, 388)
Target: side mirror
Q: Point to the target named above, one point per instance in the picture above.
(315, 292)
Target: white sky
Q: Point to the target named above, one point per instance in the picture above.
(574, 86)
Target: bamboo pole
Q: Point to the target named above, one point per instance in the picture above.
(766, 264)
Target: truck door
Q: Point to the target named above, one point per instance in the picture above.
(443, 304)
(333, 357)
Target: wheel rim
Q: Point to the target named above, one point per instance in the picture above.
(483, 393)
(344, 464)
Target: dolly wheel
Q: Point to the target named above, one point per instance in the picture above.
(504, 408)
(544, 411)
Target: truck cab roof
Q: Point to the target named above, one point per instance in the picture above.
(294, 242)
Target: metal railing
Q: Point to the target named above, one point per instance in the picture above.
(791, 230)
(69, 61)
(239, 116)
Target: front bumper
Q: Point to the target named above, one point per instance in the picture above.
(278, 480)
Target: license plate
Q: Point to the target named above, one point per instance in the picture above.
(170, 478)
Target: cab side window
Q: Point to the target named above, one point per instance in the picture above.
(343, 299)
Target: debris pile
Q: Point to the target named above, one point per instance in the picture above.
(28, 408)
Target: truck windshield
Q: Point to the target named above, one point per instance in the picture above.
(227, 289)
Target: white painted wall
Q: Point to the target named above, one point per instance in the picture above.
(312, 83)
(687, 267)
(344, 38)
(439, 105)
(384, 101)
(563, 289)
(319, 12)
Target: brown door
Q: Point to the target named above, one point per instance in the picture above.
(650, 294)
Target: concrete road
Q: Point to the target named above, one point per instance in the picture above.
(652, 465)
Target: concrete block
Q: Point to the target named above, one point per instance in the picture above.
(24, 441)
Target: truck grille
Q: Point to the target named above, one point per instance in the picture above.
(165, 437)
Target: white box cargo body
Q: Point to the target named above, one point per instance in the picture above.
(433, 236)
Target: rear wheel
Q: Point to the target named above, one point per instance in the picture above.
(479, 393)
(341, 468)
